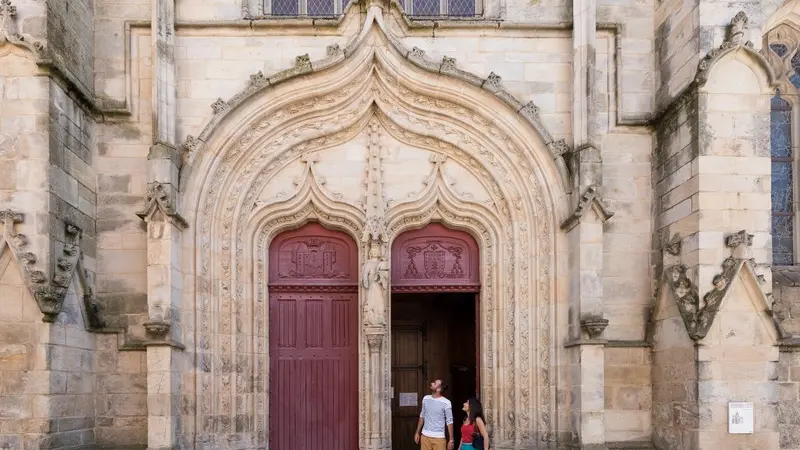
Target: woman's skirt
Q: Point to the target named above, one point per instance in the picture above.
(467, 447)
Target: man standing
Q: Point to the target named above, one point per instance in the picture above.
(436, 414)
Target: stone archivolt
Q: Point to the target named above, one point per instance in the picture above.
(374, 86)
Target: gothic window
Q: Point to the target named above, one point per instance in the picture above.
(782, 182)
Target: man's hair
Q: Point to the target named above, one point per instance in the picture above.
(442, 385)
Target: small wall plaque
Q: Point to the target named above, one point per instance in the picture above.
(740, 418)
(408, 399)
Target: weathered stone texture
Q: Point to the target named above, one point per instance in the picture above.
(628, 394)
(789, 400)
(70, 38)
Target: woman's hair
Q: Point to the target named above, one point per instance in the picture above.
(475, 409)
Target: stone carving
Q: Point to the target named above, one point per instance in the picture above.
(780, 45)
(733, 41)
(258, 79)
(740, 238)
(374, 341)
(191, 143)
(9, 32)
(559, 148)
(493, 82)
(220, 106)
(531, 111)
(333, 50)
(374, 202)
(221, 253)
(686, 297)
(375, 279)
(160, 205)
(594, 326)
(448, 64)
(313, 258)
(589, 200)
(50, 294)
(303, 62)
(674, 245)
(417, 52)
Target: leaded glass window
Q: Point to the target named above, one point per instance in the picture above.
(438, 8)
(311, 8)
(782, 182)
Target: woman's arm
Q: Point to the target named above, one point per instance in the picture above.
(482, 430)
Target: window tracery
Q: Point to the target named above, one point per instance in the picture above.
(781, 48)
(332, 8)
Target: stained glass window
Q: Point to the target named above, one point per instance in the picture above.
(311, 8)
(782, 182)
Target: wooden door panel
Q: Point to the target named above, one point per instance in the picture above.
(408, 367)
(313, 371)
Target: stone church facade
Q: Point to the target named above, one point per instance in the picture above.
(223, 222)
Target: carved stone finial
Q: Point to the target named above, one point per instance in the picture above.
(333, 50)
(374, 201)
(9, 32)
(737, 28)
(448, 64)
(219, 106)
(493, 82)
(531, 111)
(417, 52)
(303, 62)
(191, 143)
(558, 148)
(159, 201)
(258, 79)
(674, 245)
(594, 326)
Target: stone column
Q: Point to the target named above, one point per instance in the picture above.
(164, 227)
(585, 231)
(375, 338)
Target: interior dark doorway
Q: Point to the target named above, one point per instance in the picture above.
(434, 336)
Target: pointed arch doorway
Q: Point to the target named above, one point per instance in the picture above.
(313, 340)
(435, 323)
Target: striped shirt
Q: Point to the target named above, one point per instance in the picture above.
(436, 414)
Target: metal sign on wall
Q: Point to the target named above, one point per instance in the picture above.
(740, 418)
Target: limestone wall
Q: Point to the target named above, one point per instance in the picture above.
(70, 32)
(789, 400)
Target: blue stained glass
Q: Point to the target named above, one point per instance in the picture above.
(782, 196)
(779, 49)
(782, 240)
(781, 128)
(794, 78)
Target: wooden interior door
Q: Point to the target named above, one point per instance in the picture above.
(408, 380)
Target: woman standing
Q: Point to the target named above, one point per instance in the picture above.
(473, 430)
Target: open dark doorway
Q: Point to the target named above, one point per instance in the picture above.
(434, 336)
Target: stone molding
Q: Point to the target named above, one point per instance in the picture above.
(786, 34)
(590, 200)
(734, 41)
(160, 205)
(49, 294)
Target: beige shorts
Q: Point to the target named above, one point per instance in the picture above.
(429, 443)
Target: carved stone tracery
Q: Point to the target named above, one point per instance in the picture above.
(228, 208)
(9, 32)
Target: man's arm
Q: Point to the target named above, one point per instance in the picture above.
(448, 419)
(420, 422)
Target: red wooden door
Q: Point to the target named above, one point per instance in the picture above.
(313, 338)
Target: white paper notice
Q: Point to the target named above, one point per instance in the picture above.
(740, 418)
(408, 399)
